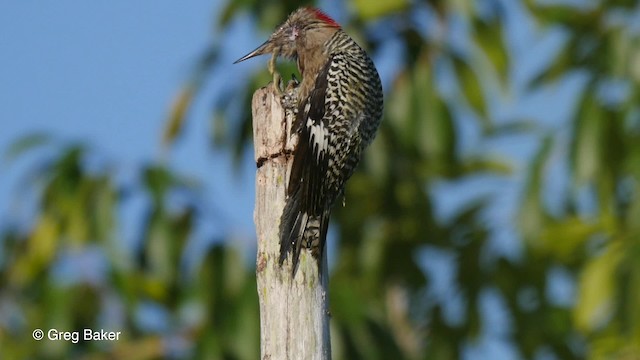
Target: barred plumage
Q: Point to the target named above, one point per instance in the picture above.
(338, 113)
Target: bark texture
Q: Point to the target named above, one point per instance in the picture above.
(294, 315)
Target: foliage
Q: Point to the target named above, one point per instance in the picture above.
(411, 280)
(70, 270)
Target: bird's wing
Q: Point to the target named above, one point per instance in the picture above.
(310, 178)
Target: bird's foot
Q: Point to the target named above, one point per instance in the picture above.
(290, 101)
(290, 95)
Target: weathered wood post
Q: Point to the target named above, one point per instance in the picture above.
(294, 314)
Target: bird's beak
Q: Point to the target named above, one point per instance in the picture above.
(262, 49)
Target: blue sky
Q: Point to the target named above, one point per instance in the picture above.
(83, 70)
(105, 74)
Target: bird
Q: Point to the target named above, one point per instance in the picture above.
(338, 108)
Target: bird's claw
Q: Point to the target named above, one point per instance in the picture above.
(290, 95)
(289, 101)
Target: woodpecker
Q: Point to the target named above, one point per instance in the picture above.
(338, 109)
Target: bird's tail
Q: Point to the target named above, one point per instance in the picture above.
(300, 228)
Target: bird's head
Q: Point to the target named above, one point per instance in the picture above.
(305, 28)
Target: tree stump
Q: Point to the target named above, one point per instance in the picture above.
(294, 315)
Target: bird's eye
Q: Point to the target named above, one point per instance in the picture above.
(294, 33)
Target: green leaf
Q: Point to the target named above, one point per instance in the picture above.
(513, 128)
(488, 36)
(532, 213)
(432, 122)
(177, 115)
(470, 86)
(563, 240)
(472, 166)
(586, 151)
(25, 144)
(597, 290)
(371, 9)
